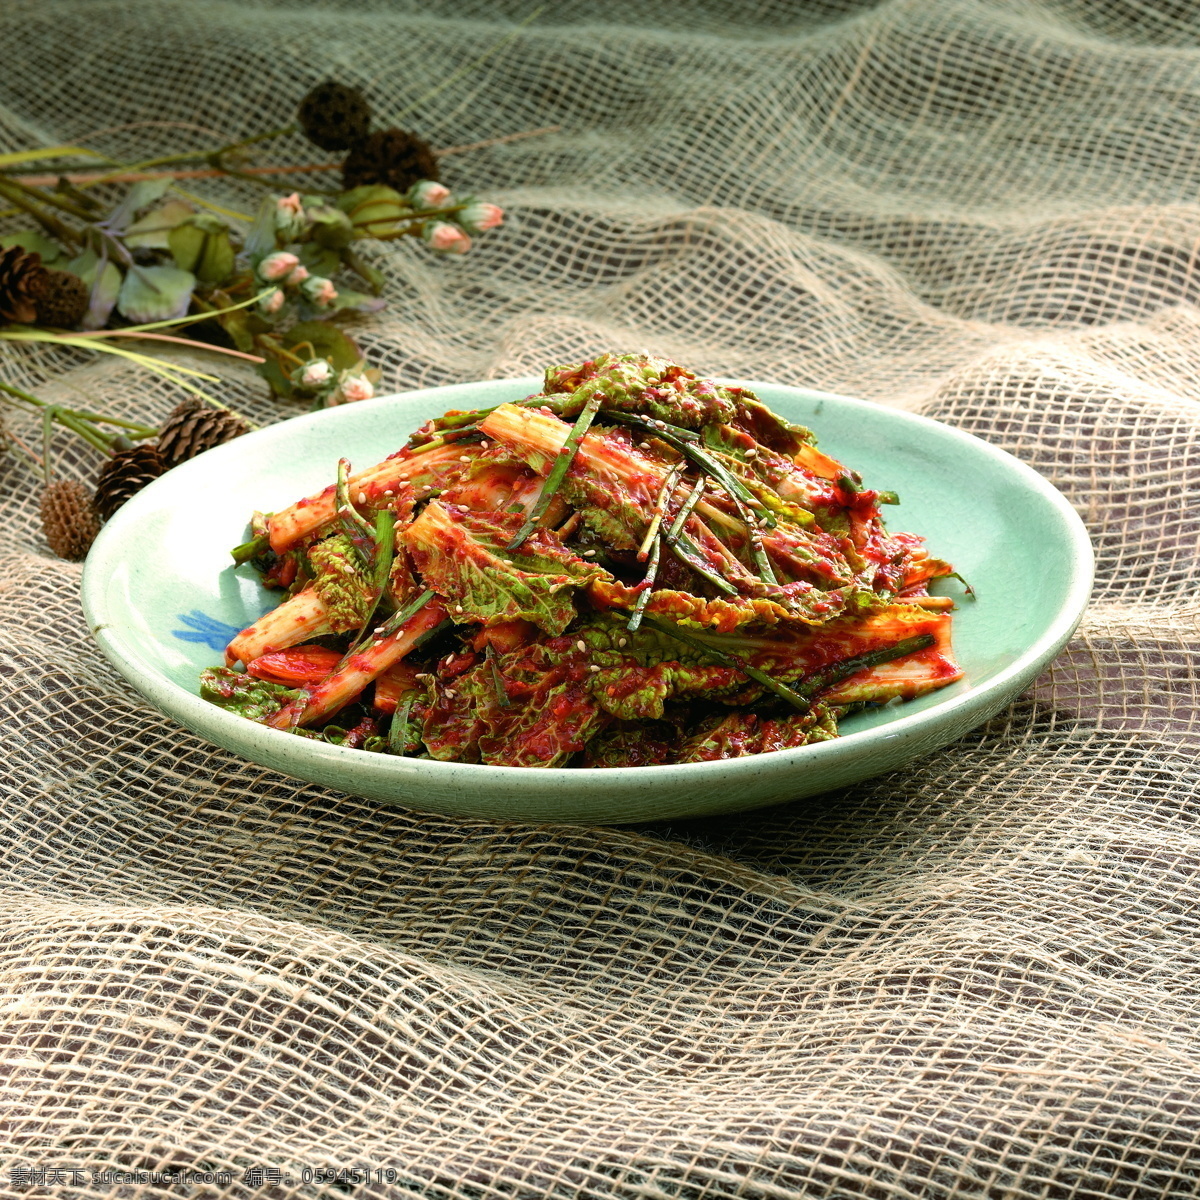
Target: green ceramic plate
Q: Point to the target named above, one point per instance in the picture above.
(162, 600)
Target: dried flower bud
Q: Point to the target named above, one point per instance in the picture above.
(320, 291)
(446, 238)
(278, 265)
(315, 373)
(479, 215)
(289, 217)
(272, 302)
(428, 193)
(353, 388)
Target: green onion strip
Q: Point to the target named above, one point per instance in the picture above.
(562, 464)
(801, 697)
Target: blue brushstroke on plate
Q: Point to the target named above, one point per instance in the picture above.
(216, 635)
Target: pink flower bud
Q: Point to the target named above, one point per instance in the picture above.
(275, 266)
(356, 387)
(272, 302)
(320, 290)
(297, 277)
(447, 238)
(289, 205)
(316, 373)
(480, 216)
(428, 194)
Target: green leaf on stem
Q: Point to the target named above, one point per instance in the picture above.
(155, 293)
(30, 239)
(141, 195)
(202, 246)
(104, 285)
(151, 231)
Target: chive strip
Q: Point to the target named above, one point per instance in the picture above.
(639, 609)
(849, 666)
(398, 731)
(795, 699)
(251, 549)
(956, 575)
(688, 443)
(687, 550)
(686, 508)
(355, 526)
(385, 550)
(757, 550)
(660, 505)
(690, 553)
(389, 627)
(409, 610)
(468, 433)
(497, 682)
(887, 498)
(562, 464)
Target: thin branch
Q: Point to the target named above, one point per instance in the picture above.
(166, 337)
(133, 176)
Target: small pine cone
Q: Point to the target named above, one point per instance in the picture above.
(334, 116)
(66, 301)
(69, 520)
(124, 475)
(392, 157)
(192, 428)
(23, 282)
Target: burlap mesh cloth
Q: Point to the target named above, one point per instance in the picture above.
(976, 977)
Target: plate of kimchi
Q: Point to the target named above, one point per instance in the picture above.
(620, 592)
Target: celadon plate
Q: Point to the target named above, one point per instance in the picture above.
(162, 598)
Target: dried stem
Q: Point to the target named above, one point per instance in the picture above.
(137, 175)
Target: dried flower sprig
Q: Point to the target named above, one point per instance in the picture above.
(88, 274)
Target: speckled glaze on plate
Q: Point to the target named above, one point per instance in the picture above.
(162, 599)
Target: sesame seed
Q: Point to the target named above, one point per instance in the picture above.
(484, 444)
(458, 608)
(593, 667)
(362, 497)
(450, 693)
(507, 562)
(464, 458)
(622, 642)
(589, 553)
(389, 492)
(581, 645)
(751, 453)
(643, 445)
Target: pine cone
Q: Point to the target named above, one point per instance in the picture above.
(23, 282)
(192, 428)
(124, 475)
(69, 520)
(66, 301)
(334, 116)
(392, 157)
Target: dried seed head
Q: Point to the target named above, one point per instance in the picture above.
(392, 157)
(334, 116)
(69, 519)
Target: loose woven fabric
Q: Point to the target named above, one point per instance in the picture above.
(977, 977)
